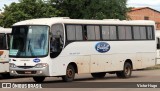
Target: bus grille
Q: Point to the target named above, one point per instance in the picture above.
(23, 72)
(25, 67)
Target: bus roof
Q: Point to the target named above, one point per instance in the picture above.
(5, 30)
(51, 21)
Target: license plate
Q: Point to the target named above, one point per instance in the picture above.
(27, 72)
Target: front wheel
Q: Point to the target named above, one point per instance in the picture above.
(127, 71)
(6, 75)
(1, 76)
(70, 74)
(38, 79)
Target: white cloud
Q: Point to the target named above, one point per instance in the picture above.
(155, 4)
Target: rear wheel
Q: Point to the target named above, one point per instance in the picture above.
(98, 75)
(39, 79)
(127, 71)
(70, 74)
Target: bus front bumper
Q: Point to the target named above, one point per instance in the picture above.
(29, 71)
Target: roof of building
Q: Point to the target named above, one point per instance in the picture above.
(140, 8)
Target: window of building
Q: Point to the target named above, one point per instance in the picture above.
(146, 18)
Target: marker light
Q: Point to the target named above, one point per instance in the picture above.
(12, 65)
(41, 65)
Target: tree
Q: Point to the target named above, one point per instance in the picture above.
(1, 16)
(27, 9)
(92, 9)
(76, 9)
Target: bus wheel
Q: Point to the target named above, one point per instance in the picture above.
(98, 75)
(119, 74)
(1, 76)
(127, 71)
(70, 74)
(6, 75)
(39, 79)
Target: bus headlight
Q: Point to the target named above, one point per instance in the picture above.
(12, 65)
(41, 65)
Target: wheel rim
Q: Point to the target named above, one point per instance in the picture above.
(127, 70)
(69, 73)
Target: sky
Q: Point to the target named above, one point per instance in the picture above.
(155, 4)
(7, 2)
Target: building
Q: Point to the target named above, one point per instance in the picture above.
(145, 13)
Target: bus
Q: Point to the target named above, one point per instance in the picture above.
(63, 47)
(158, 46)
(4, 51)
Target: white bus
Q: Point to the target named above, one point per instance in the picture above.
(158, 46)
(4, 51)
(62, 47)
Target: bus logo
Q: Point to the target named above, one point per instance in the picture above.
(102, 47)
(36, 60)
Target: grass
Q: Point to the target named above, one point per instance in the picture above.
(153, 67)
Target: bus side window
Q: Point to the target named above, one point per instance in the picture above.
(150, 33)
(124, 32)
(93, 32)
(74, 32)
(109, 33)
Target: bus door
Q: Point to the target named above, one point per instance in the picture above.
(56, 40)
(158, 51)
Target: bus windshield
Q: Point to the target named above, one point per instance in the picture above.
(29, 41)
(2, 41)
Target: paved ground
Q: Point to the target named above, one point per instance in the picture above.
(85, 82)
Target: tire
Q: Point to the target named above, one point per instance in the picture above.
(6, 75)
(70, 74)
(127, 71)
(1, 77)
(119, 74)
(39, 79)
(98, 75)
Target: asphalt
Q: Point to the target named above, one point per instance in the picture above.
(142, 80)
